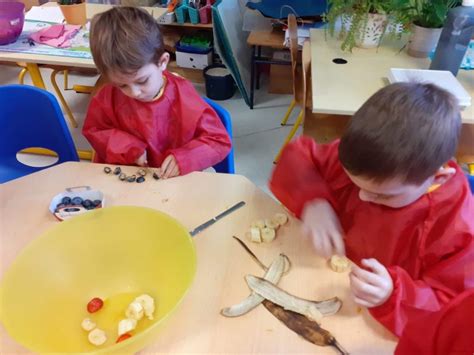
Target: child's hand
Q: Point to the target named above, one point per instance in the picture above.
(142, 160)
(323, 227)
(169, 168)
(370, 288)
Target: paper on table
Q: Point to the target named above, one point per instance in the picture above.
(50, 14)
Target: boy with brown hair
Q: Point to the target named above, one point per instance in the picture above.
(146, 115)
(389, 196)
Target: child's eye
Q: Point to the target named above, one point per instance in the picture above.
(143, 81)
(122, 86)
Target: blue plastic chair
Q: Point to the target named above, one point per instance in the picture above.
(30, 117)
(470, 180)
(227, 165)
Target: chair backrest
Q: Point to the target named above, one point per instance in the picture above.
(293, 39)
(306, 69)
(30, 117)
(227, 165)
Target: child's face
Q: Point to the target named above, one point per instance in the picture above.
(392, 193)
(145, 83)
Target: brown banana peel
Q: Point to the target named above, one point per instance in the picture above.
(308, 329)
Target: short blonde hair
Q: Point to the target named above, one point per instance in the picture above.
(124, 39)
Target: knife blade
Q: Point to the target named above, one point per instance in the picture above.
(210, 222)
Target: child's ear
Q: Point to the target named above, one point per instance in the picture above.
(444, 174)
(163, 61)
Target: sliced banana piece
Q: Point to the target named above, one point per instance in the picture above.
(255, 235)
(97, 337)
(339, 263)
(148, 304)
(258, 224)
(126, 325)
(135, 311)
(87, 324)
(280, 218)
(270, 223)
(268, 234)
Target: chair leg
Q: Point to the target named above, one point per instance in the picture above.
(66, 78)
(21, 76)
(288, 112)
(290, 135)
(69, 114)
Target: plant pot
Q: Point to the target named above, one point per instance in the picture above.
(74, 14)
(370, 36)
(423, 41)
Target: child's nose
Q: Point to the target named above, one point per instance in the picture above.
(135, 91)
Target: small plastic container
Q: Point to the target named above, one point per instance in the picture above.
(12, 18)
(181, 12)
(193, 15)
(68, 211)
(205, 13)
(219, 82)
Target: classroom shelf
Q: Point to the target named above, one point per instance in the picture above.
(188, 24)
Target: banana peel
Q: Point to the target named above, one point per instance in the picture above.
(308, 329)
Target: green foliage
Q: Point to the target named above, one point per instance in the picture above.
(357, 12)
(426, 13)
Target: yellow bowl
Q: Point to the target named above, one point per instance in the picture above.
(114, 253)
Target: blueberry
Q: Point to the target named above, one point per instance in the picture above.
(97, 203)
(107, 170)
(131, 178)
(87, 204)
(66, 200)
(141, 172)
(117, 170)
(76, 200)
(155, 176)
(140, 179)
(60, 205)
(123, 176)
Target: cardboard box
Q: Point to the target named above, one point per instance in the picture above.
(193, 60)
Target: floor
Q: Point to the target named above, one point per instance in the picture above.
(257, 133)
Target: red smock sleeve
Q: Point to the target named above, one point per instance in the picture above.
(111, 144)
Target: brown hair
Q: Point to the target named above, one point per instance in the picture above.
(405, 130)
(124, 39)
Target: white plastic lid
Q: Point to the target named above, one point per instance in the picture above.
(467, 2)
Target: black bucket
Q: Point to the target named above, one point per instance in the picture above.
(219, 82)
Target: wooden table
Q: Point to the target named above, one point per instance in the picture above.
(197, 326)
(258, 39)
(340, 89)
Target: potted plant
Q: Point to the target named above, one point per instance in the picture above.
(363, 22)
(427, 18)
(74, 11)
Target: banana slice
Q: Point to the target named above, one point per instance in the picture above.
(280, 218)
(339, 263)
(135, 311)
(268, 234)
(258, 224)
(126, 325)
(271, 223)
(255, 235)
(87, 324)
(148, 304)
(97, 337)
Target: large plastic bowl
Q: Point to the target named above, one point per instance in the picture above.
(114, 253)
(12, 17)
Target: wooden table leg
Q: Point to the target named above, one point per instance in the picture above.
(35, 75)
